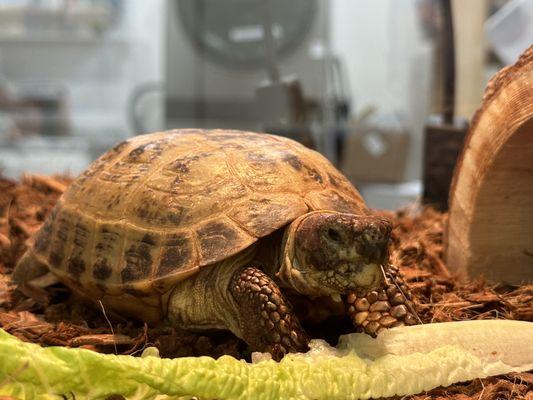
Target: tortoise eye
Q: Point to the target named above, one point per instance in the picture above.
(334, 235)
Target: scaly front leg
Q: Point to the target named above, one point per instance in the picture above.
(266, 319)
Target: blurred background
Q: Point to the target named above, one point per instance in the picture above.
(362, 81)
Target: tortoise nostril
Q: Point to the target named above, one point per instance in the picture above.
(334, 235)
(377, 234)
(372, 236)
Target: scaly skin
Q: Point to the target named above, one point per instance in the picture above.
(266, 316)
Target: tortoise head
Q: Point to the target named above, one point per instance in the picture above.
(328, 253)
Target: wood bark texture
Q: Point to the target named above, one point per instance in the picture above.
(490, 227)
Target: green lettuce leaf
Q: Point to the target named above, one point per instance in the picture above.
(401, 361)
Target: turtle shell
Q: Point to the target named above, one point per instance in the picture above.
(157, 207)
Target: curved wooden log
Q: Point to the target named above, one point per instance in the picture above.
(490, 227)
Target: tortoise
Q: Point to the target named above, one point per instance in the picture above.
(211, 229)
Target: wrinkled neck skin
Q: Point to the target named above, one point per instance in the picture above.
(290, 276)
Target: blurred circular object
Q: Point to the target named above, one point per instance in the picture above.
(231, 32)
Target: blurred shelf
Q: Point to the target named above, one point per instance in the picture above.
(62, 40)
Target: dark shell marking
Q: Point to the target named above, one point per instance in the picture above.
(101, 270)
(59, 241)
(147, 152)
(176, 252)
(171, 213)
(138, 263)
(214, 236)
(139, 259)
(76, 266)
(294, 161)
(108, 244)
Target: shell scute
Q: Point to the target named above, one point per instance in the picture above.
(221, 237)
(146, 210)
(141, 252)
(79, 247)
(258, 214)
(76, 266)
(330, 199)
(59, 244)
(281, 169)
(147, 152)
(107, 250)
(101, 270)
(177, 250)
(124, 172)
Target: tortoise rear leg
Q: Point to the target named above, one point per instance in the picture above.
(28, 268)
(266, 319)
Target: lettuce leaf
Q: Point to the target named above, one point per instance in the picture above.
(401, 361)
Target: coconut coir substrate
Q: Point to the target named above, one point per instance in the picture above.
(48, 314)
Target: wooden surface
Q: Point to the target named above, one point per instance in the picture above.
(470, 52)
(490, 228)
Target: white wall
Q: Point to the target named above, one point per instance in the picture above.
(360, 38)
(387, 60)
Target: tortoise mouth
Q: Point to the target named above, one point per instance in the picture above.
(349, 276)
(337, 281)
